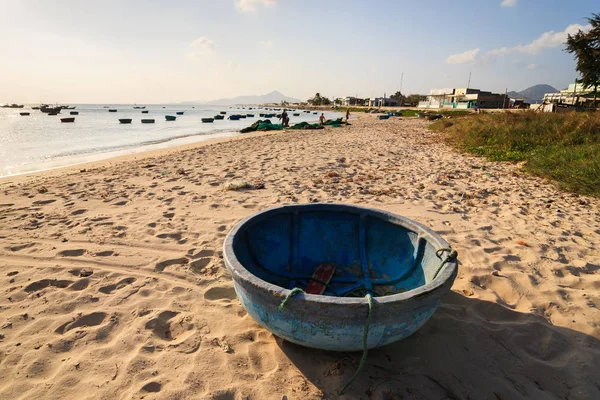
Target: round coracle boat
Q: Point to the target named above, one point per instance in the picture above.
(338, 277)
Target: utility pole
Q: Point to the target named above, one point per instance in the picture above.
(469, 82)
(401, 79)
(504, 101)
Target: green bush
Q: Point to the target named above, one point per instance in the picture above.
(564, 147)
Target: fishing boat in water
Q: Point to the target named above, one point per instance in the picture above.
(24, 114)
(170, 117)
(67, 119)
(74, 113)
(250, 115)
(223, 112)
(179, 112)
(139, 107)
(219, 116)
(112, 110)
(125, 120)
(145, 112)
(147, 121)
(207, 120)
(234, 117)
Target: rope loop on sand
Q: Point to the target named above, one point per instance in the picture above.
(452, 255)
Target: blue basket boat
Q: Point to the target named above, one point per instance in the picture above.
(394, 259)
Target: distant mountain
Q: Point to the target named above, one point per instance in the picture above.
(273, 97)
(534, 94)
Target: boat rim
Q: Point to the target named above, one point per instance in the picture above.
(429, 288)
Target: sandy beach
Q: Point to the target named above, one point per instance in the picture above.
(113, 285)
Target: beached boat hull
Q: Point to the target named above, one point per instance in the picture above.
(273, 251)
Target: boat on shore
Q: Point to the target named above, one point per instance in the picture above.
(125, 120)
(147, 121)
(207, 120)
(67, 119)
(170, 117)
(24, 113)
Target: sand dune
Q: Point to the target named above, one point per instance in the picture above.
(113, 283)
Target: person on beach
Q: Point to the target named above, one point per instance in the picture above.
(322, 119)
(285, 120)
(347, 114)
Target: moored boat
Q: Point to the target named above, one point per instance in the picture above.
(112, 110)
(170, 117)
(179, 112)
(223, 112)
(139, 107)
(207, 120)
(234, 117)
(296, 114)
(145, 112)
(219, 116)
(67, 119)
(125, 120)
(250, 115)
(24, 114)
(147, 121)
(35, 108)
(74, 113)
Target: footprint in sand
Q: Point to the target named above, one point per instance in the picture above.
(105, 253)
(92, 319)
(165, 327)
(43, 202)
(116, 286)
(219, 293)
(21, 247)
(199, 265)
(167, 263)
(44, 283)
(71, 253)
(152, 387)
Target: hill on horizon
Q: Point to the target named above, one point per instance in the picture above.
(273, 97)
(533, 94)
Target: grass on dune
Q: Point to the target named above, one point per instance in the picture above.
(564, 147)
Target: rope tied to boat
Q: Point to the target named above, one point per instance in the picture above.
(363, 359)
(452, 255)
(291, 294)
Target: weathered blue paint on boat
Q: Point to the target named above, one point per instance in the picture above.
(275, 250)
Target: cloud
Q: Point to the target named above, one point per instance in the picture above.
(532, 66)
(266, 43)
(508, 3)
(200, 47)
(546, 40)
(469, 56)
(252, 5)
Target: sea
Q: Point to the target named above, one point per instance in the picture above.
(39, 141)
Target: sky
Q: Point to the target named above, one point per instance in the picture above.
(154, 51)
